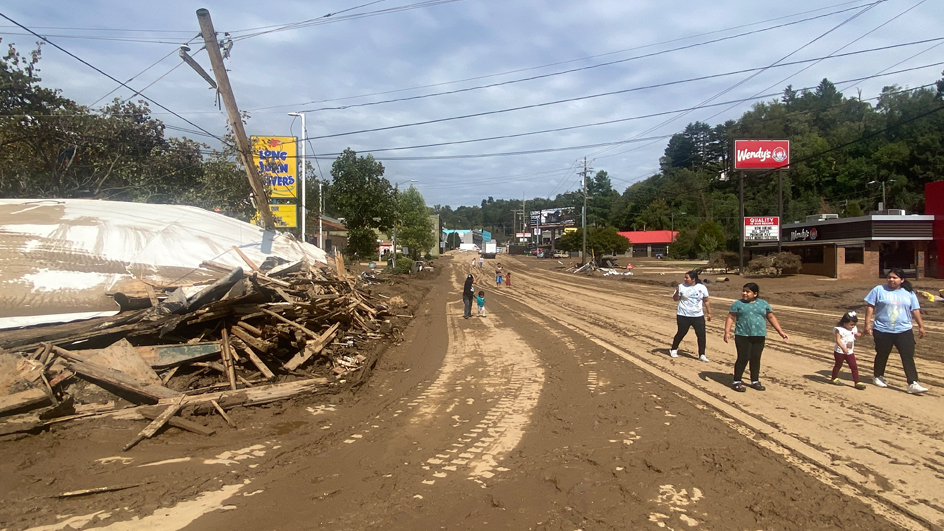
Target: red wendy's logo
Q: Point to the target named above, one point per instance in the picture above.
(780, 154)
(814, 233)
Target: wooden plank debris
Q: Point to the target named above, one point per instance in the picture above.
(276, 322)
(167, 356)
(156, 424)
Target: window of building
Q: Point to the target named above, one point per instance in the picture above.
(855, 255)
(811, 255)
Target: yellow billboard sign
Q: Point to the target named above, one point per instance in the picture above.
(285, 216)
(276, 158)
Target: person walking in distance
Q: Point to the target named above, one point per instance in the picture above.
(693, 310)
(480, 302)
(481, 262)
(894, 305)
(845, 333)
(750, 316)
(507, 279)
(499, 274)
(468, 293)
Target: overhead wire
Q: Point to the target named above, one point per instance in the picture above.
(560, 63)
(109, 76)
(756, 73)
(608, 93)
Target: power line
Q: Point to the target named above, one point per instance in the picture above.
(613, 93)
(555, 64)
(86, 63)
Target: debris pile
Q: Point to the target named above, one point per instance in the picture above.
(245, 339)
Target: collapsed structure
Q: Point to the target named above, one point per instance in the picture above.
(213, 335)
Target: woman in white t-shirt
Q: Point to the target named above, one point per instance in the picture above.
(693, 310)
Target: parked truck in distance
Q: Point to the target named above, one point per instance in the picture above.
(489, 249)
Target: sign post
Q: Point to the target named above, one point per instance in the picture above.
(759, 155)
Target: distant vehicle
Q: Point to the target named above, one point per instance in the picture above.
(540, 253)
(490, 249)
(561, 254)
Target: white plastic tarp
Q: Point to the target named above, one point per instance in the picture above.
(59, 259)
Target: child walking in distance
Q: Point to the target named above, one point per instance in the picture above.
(499, 274)
(845, 333)
(751, 315)
(480, 301)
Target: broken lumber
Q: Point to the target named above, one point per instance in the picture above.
(115, 378)
(153, 412)
(312, 349)
(156, 424)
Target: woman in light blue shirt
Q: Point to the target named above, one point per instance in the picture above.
(893, 305)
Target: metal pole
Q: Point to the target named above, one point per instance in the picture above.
(320, 216)
(396, 217)
(780, 209)
(235, 119)
(303, 181)
(741, 232)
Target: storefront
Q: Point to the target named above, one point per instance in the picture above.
(860, 247)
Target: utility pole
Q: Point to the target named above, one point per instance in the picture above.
(235, 120)
(584, 174)
(741, 223)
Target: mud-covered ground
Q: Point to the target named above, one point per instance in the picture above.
(560, 410)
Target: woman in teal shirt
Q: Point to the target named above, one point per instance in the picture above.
(751, 315)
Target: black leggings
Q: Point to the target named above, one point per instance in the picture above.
(698, 323)
(904, 342)
(749, 349)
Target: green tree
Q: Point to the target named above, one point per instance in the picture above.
(599, 240)
(364, 198)
(414, 227)
(709, 238)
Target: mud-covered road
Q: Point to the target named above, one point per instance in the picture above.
(561, 410)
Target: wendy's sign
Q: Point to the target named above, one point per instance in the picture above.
(761, 154)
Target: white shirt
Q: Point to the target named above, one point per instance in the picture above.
(847, 337)
(690, 300)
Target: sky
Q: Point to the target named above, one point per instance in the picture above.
(481, 98)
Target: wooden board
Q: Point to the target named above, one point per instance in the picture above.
(166, 356)
(23, 400)
(122, 356)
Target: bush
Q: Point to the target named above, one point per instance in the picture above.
(725, 260)
(774, 264)
(404, 265)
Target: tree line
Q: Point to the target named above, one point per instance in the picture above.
(51, 147)
(842, 149)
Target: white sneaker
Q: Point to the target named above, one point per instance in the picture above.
(673, 353)
(915, 388)
(880, 381)
(702, 358)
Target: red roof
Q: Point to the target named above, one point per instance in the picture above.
(640, 237)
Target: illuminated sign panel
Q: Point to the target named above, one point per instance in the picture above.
(276, 159)
(761, 154)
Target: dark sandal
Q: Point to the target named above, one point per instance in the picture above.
(757, 386)
(739, 387)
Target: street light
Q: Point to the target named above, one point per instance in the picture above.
(302, 173)
(883, 208)
(396, 218)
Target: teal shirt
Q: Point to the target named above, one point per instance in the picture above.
(751, 317)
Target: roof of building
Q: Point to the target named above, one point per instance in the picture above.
(639, 237)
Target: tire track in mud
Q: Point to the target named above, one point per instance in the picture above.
(879, 445)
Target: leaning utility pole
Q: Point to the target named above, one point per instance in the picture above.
(235, 120)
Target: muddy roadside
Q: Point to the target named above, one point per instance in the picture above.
(37, 468)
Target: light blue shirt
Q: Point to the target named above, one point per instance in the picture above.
(892, 308)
